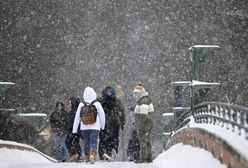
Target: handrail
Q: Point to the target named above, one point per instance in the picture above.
(182, 120)
(217, 113)
(223, 114)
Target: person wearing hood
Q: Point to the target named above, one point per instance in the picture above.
(143, 122)
(74, 149)
(89, 132)
(115, 120)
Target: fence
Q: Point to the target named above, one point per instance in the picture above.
(232, 117)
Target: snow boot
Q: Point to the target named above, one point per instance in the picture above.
(107, 157)
(92, 157)
(73, 158)
(87, 158)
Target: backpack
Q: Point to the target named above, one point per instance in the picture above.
(88, 113)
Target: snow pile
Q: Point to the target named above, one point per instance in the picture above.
(181, 156)
(178, 156)
(15, 157)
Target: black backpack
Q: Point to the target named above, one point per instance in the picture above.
(88, 113)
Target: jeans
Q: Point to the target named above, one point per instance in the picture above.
(90, 138)
(60, 147)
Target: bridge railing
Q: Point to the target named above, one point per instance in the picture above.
(232, 117)
(183, 120)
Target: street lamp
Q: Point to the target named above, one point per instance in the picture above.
(200, 89)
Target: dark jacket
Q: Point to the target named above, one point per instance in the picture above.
(114, 112)
(115, 119)
(71, 115)
(59, 122)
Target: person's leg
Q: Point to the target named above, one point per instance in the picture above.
(109, 146)
(68, 143)
(93, 140)
(142, 140)
(86, 136)
(142, 128)
(116, 140)
(64, 149)
(58, 147)
(148, 141)
(78, 149)
(101, 149)
(102, 145)
(94, 134)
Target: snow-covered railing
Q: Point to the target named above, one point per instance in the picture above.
(220, 128)
(183, 120)
(230, 116)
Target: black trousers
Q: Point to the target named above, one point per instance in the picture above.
(109, 140)
(73, 148)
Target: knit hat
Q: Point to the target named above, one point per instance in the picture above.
(138, 88)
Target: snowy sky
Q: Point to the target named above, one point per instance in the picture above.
(178, 156)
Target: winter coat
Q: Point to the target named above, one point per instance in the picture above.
(114, 112)
(143, 123)
(59, 122)
(71, 116)
(89, 96)
(144, 103)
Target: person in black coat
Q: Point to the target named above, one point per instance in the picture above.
(133, 146)
(115, 120)
(72, 141)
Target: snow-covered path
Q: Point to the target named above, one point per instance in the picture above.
(84, 165)
(178, 156)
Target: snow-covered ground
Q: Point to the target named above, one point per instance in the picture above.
(178, 156)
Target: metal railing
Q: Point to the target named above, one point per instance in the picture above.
(182, 120)
(232, 117)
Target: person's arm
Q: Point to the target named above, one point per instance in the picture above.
(122, 115)
(52, 121)
(101, 115)
(66, 121)
(77, 119)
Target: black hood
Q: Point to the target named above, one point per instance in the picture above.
(74, 102)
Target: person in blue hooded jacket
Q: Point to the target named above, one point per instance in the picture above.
(115, 120)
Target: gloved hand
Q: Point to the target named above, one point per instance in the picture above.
(74, 139)
(131, 108)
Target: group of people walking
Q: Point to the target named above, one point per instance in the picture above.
(102, 136)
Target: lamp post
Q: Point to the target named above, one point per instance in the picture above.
(197, 55)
